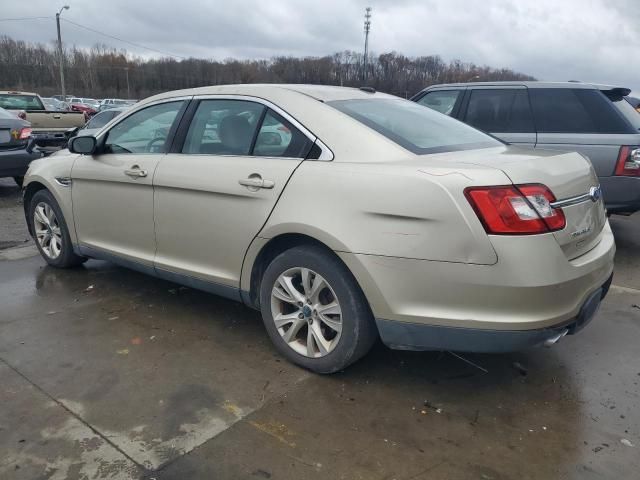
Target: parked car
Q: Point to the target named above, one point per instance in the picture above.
(594, 120)
(376, 217)
(78, 105)
(92, 102)
(55, 105)
(15, 155)
(50, 129)
(108, 103)
(100, 119)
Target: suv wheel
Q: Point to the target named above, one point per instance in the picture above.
(314, 311)
(50, 231)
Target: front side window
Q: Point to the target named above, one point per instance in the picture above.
(566, 110)
(223, 127)
(500, 111)
(145, 131)
(441, 101)
(418, 129)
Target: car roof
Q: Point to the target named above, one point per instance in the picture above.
(536, 84)
(323, 93)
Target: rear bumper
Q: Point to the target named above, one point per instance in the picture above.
(414, 336)
(621, 194)
(14, 163)
(533, 290)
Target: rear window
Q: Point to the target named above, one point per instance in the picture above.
(565, 110)
(625, 108)
(418, 129)
(20, 102)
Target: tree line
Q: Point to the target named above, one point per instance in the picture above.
(104, 72)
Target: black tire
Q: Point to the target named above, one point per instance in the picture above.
(18, 180)
(359, 332)
(67, 257)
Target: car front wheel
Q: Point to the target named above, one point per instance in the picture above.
(50, 231)
(314, 310)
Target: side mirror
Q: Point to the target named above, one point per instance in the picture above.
(85, 145)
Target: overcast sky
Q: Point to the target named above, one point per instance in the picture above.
(589, 40)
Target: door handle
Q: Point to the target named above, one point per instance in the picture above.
(255, 181)
(135, 172)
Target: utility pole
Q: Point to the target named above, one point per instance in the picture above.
(60, 54)
(367, 28)
(126, 71)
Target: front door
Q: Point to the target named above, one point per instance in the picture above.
(214, 194)
(112, 190)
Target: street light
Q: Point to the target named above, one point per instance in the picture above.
(66, 7)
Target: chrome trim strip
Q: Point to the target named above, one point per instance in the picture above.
(567, 202)
(63, 181)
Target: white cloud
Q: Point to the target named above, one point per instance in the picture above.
(593, 40)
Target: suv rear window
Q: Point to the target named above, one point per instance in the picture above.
(418, 129)
(625, 108)
(566, 110)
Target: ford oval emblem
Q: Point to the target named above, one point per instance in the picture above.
(595, 193)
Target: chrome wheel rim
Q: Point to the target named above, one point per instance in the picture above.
(306, 312)
(47, 230)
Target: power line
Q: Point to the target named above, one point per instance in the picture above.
(23, 18)
(122, 40)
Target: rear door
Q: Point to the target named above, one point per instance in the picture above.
(214, 192)
(504, 112)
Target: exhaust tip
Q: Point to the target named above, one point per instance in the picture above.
(555, 338)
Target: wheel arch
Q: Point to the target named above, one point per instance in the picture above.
(262, 251)
(29, 191)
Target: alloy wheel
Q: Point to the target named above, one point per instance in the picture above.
(47, 230)
(306, 312)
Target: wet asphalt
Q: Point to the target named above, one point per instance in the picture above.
(107, 373)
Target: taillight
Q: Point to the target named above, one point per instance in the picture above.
(24, 133)
(628, 164)
(516, 209)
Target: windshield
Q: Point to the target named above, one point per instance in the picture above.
(12, 101)
(414, 127)
(625, 108)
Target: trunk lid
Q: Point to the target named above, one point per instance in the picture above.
(568, 175)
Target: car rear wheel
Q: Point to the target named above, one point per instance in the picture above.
(314, 310)
(50, 231)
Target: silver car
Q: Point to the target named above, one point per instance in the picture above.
(594, 120)
(372, 217)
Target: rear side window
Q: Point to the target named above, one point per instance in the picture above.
(278, 138)
(564, 110)
(420, 130)
(441, 101)
(500, 111)
(223, 127)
